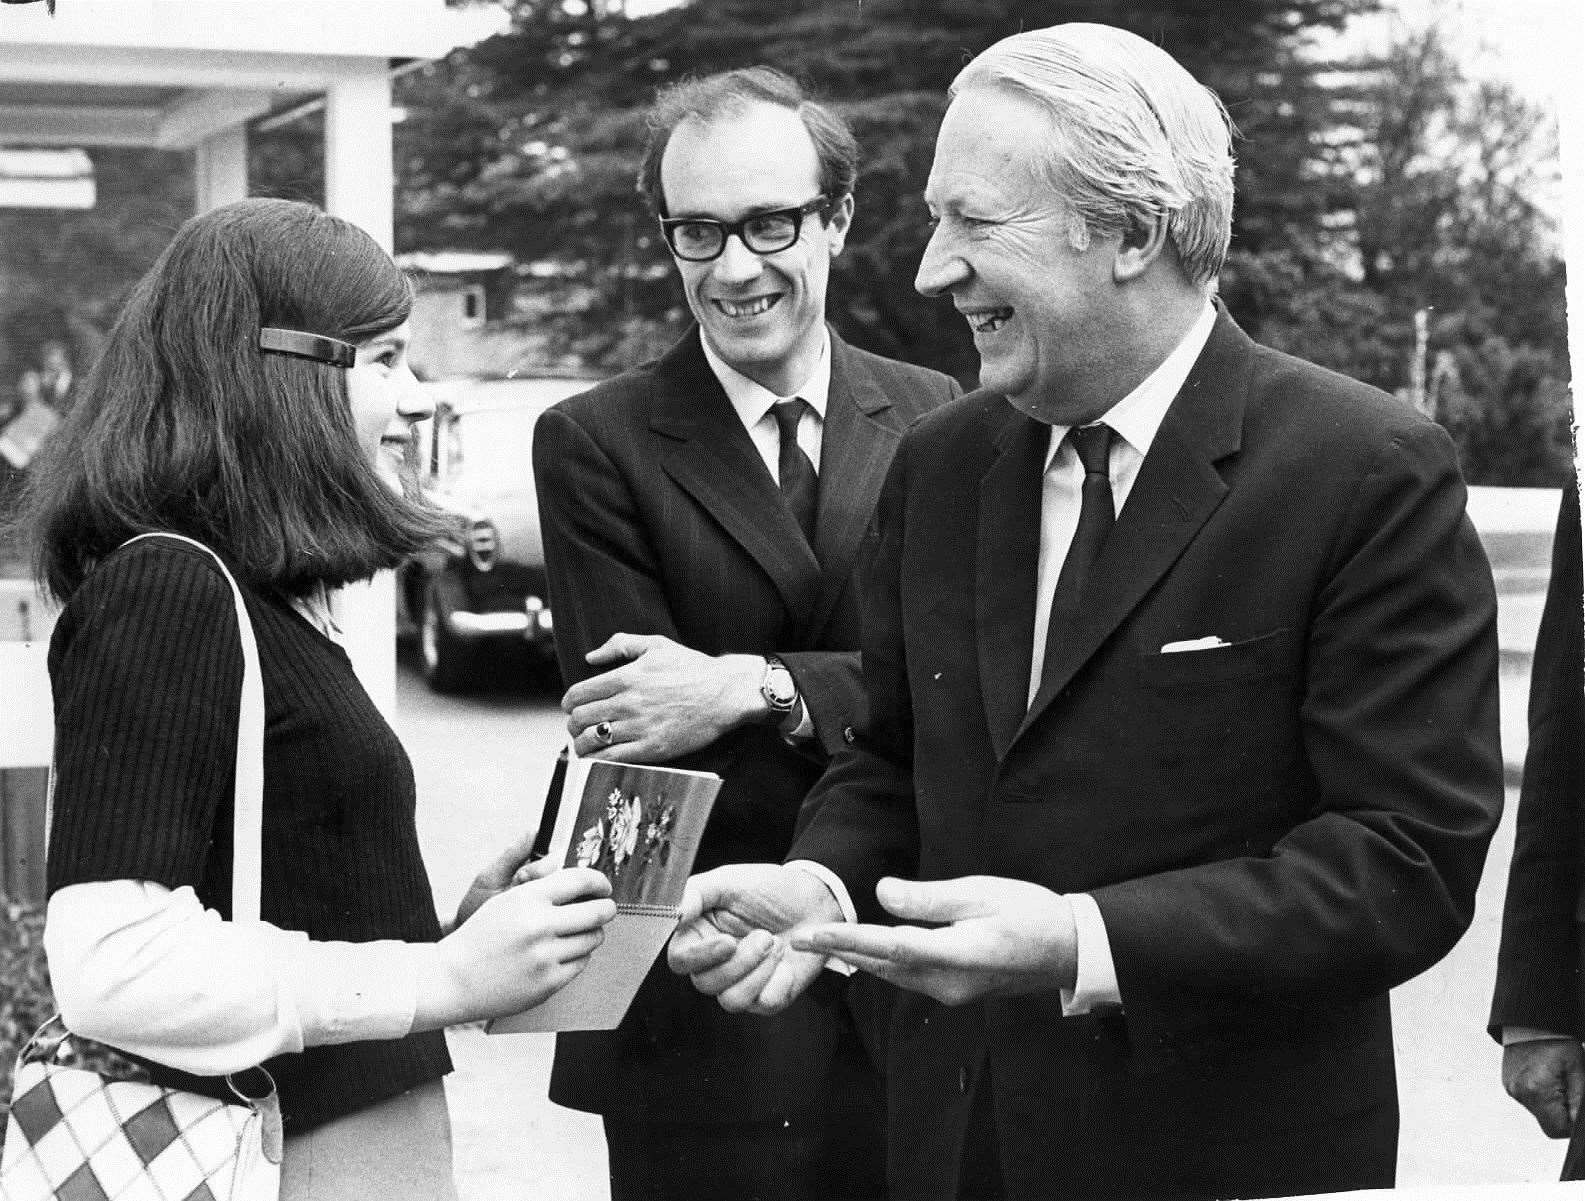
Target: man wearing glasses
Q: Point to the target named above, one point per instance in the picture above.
(702, 518)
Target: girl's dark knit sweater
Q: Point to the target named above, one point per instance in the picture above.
(146, 668)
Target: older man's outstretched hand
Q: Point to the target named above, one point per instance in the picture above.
(981, 936)
(732, 941)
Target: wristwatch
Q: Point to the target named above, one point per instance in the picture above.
(778, 687)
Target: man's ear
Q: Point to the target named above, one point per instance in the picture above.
(1142, 243)
(837, 227)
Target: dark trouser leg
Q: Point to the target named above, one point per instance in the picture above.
(732, 1161)
(1356, 1151)
(980, 1178)
(851, 1160)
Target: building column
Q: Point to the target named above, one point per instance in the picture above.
(220, 168)
(360, 181)
(360, 187)
(27, 726)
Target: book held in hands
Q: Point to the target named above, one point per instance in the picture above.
(640, 826)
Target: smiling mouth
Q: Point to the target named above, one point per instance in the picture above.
(747, 308)
(987, 321)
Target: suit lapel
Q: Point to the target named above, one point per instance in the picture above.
(1177, 490)
(704, 448)
(859, 438)
(1007, 558)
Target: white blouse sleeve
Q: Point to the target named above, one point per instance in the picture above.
(154, 973)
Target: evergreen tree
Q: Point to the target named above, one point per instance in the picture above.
(1438, 216)
(530, 141)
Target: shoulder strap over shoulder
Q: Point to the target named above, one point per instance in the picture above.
(248, 822)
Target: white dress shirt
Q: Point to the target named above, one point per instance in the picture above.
(753, 403)
(1135, 420)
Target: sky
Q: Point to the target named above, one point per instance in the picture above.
(1539, 46)
(1536, 44)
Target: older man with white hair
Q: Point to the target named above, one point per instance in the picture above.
(1181, 664)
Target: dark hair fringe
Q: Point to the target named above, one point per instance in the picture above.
(713, 96)
(183, 425)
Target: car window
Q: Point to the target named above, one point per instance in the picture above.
(487, 429)
(490, 446)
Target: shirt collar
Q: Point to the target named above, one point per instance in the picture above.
(752, 400)
(1138, 416)
(315, 607)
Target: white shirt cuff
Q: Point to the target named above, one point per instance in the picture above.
(352, 991)
(805, 729)
(844, 901)
(832, 881)
(1529, 1034)
(1096, 982)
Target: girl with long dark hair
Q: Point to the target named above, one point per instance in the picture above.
(254, 396)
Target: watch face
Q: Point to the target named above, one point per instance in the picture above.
(779, 687)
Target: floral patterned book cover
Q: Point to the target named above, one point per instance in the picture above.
(641, 827)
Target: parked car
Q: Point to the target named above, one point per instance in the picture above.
(479, 598)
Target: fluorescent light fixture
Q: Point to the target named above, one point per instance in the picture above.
(46, 179)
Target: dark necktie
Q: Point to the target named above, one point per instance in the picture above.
(799, 484)
(1093, 444)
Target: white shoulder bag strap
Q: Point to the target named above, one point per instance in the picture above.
(247, 854)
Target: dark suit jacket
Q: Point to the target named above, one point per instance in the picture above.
(659, 517)
(1276, 832)
(1543, 920)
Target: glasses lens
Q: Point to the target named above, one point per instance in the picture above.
(771, 231)
(696, 239)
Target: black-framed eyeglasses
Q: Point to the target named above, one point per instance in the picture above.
(700, 239)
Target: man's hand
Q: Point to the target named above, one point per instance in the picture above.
(1547, 1077)
(990, 937)
(660, 699)
(729, 941)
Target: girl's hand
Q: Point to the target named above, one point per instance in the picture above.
(518, 947)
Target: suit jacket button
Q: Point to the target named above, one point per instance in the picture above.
(848, 735)
(963, 1082)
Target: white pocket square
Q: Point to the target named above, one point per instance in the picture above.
(1209, 642)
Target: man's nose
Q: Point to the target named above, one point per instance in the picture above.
(737, 263)
(939, 268)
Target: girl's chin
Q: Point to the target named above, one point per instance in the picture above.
(389, 471)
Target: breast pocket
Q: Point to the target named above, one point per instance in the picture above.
(1248, 659)
(1214, 713)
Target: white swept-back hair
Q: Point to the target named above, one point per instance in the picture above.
(1134, 136)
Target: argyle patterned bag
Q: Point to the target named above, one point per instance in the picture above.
(75, 1136)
